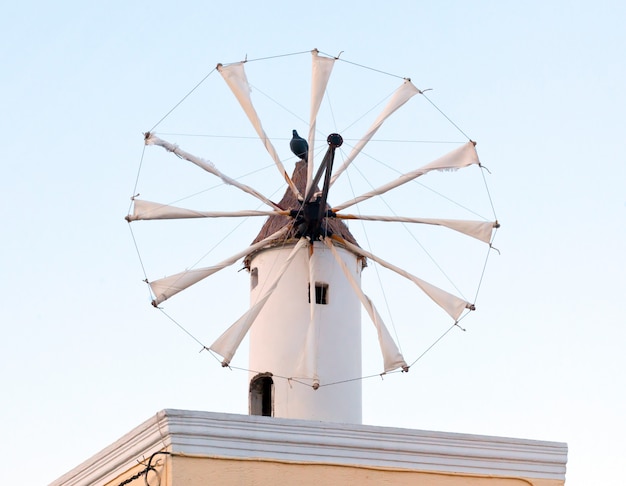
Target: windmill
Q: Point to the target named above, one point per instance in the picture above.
(305, 266)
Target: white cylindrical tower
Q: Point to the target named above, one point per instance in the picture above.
(305, 357)
(288, 334)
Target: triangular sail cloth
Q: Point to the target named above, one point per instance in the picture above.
(458, 158)
(226, 345)
(208, 166)
(452, 304)
(307, 367)
(235, 77)
(165, 288)
(481, 230)
(392, 358)
(320, 74)
(403, 94)
(148, 210)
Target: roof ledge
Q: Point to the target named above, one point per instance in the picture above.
(243, 436)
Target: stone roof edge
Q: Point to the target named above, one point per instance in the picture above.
(300, 440)
(244, 436)
(147, 438)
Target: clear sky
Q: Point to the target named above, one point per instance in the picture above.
(539, 86)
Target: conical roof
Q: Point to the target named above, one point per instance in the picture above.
(290, 202)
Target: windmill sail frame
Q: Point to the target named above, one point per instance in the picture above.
(290, 222)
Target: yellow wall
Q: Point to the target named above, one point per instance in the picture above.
(197, 471)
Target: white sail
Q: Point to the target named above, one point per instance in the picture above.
(148, 210)
(456, 159)
(235, 77)
(392, 358)
(452, 304)
(481, 230)
(403, 94)
(320, 74)
(208, 166)
(307, 367)
(167, 287)
(226, 345)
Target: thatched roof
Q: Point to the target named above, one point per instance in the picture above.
(289, 201)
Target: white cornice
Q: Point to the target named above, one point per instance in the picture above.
(244, 436)
(120, 456)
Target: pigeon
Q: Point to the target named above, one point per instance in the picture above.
(299, 146)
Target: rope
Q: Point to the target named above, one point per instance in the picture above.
(295, 380)
(143, 151)
(183, 99)
(362, 378)
(255, 137)
(289, 378)
(365, 67)
(296, 116)
(434, 344)
(376, 105)
(488, 192)
(266, 58)
(456, 203)
(182, 328)
(445, 116)
(219, 242)
(482, 274)
(143, 268)
(206, 135)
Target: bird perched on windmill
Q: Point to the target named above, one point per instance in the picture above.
(299, 146)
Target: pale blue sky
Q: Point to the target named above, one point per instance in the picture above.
(539, 85)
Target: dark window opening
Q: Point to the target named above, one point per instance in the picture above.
(321, 293)
(254, 277)
(262, 395)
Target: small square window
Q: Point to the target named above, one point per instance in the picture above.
(321, 293)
